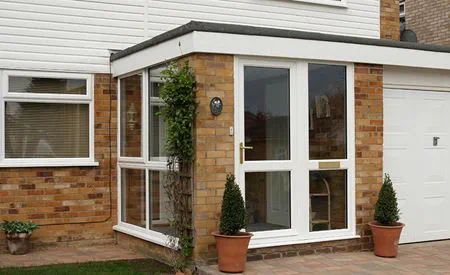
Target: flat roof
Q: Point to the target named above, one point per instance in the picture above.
(271, 32)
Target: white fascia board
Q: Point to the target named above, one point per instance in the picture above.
(154, 55)
(317, 50)
(264, 46)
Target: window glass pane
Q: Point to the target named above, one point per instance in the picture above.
(160, 205)
(131, 116)
(328, 200)
(327, 112)
(157, 125)
(266, 101)
(21, 84)
(133, 197)
(267, 196)
(46, 130)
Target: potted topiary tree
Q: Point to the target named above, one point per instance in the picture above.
(231, 244)
(386, 229)
(18, 236)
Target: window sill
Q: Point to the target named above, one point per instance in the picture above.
(143, 234)
(339, 4)
(300, 241)
(47, 163)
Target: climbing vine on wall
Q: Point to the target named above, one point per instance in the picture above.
(178, 94)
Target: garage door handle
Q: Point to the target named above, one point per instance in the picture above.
(436, 140)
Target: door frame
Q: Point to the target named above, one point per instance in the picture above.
(299, 153)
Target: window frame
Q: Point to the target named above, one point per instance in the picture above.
(6, 96)
(299, 95)
(143, 163)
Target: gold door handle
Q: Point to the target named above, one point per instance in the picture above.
(242, 147)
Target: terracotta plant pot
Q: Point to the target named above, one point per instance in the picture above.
(232, 251)
(18, 243)
(386, 239)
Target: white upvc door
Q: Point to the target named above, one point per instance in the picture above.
(417, 156)
(272, 152)
(266, 128)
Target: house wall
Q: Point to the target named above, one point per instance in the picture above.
(360, 18)
(430, 19)
(76, 198)
(76, 36)
(390, 19)
(215, 151)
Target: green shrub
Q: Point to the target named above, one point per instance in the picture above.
(18, 227)
(386, 209)
(232, 217)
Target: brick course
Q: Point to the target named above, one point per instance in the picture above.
(390, 19)
(430, 19)
(67, 195)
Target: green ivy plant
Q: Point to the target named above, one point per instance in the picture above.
(178, 94)
(11, 227)
(386, 209)
(232, 218)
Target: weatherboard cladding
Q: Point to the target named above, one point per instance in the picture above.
(196, 26)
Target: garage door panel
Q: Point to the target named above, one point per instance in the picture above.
(432, 114)
(395, 108)
(434, 223)
(420, 169)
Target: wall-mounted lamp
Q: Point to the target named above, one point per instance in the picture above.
(131, 117)
(216, 106)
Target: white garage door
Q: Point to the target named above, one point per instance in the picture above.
(417, 156)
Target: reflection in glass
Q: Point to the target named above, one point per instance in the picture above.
(267, 196)
(131, 116)
(266, 103)
(328, 200)
(133, 197)
(39, 85)
(46, 130)
(160, 205)
(157, 125)
(327, 112)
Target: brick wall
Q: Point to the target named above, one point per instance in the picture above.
(390, 19)
(369, 144)
(214, 146)
(430, 19)
(149, 249)
(68, 194)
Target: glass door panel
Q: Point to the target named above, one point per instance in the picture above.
(268, 201)
(266, 114)
(328, 200)
(327, 112)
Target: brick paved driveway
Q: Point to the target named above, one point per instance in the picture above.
(424, 258)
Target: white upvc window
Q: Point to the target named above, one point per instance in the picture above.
(295, 121)
(46, 119)
(143, 206)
